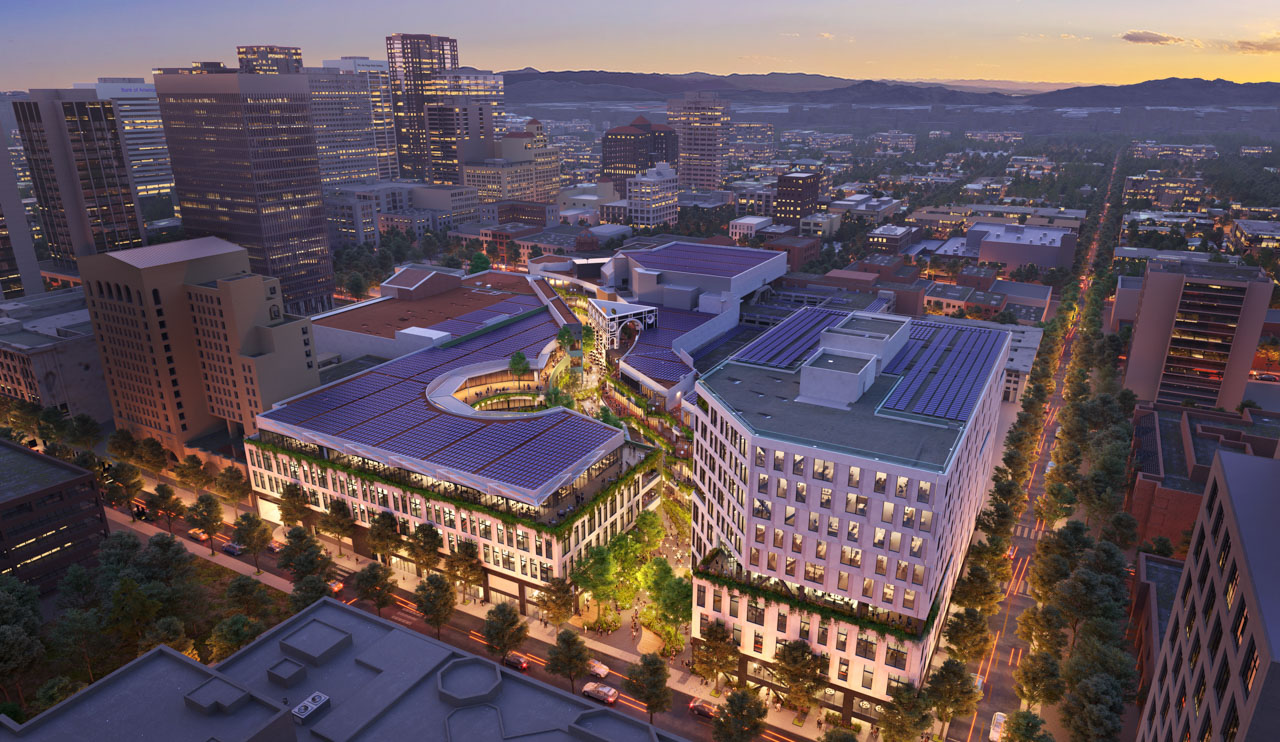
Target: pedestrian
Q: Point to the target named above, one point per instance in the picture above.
(819, 722)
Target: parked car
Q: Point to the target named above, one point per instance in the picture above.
(516, 661)
(597, 668)
(997, 727)
(232, 548)
(699, 707)
(336, 586)
(977, 681)
(198, 535)
(275, 546)
(1268, 377)
(601, 692)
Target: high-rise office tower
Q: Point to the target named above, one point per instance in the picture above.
(269, 59)
(701, 121)
(797, 197)
(415, 59)
(376, 74)
(246, 169)
(79, 173)
(19, 273)
(342, 112)
(142, 135)
(459, 130)
(520, 166)
(628, 151)
(192, 341)
(1196, 332)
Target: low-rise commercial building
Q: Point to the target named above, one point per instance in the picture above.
(1166, 191)
(1015, 245)
(745, 227)
(48, 355)
(1248, 236)
(1161, 151)
(50, 516)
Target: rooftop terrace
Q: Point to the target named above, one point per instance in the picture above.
(23, 471)
(706, 260)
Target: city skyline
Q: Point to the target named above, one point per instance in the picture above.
(1017, 41)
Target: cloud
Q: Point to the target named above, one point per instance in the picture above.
(1073, 37)
(1267, 45)
(826, 36)
(1155, 38)
(790, 34)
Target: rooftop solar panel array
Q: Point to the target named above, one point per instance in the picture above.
(652, 354)
(707, 260)
(944, 369)
(790, 339)
(387, 407)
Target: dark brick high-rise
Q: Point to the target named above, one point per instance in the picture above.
(628, 151)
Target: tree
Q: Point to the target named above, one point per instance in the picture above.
(596, 573)
(384, 534)
(338, 522)
(672, 596)
(230, 634)
(19, 650)
(565, 338)
(716, 654)
(302, 556)
(952, 693)
(308, 590)
(435, 599)
(249, 594)
(131, 610)
(375, 584)
(191, 472)
(83, 431)
(800, 671)
(150, 455)
(569, 657)
(125, 485)
(906, 716)
(294, 506)
(968, 637)
(977, 590)
(79, 632)
(1094, 711)
(518, 365)
(164, 502)
(423, 546)
(253, 533)
(76, 590)
(647, 682)
(1037, 680)
(170, 632)
(1024, 726)
(55, 690)
(231, 484)
(1044, 628)
(648, 531)
(122, 445)
(1121, 530)
(463, 565)
(740, 719)
(556, 601)
(206, 514)
(479, 263)
(504, 631)
(356, 285)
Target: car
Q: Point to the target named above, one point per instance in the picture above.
(275, 546)
(699, 707)
(601, 692)
(977, 681)
(597, 668)
(336, 586)
(516, 661)
(1048, 467)
(1268, 377)
(198, 535)
(232, 548)
(997, 726)
(1011, 553)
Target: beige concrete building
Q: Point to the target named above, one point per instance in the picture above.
(1196, 330)
(701, 121)
(1213, 674)
(518, 167)
(192, 342)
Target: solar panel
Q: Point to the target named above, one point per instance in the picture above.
(791, 338)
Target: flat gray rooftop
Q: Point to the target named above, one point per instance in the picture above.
(848, 364)
(859, 323)
(1250, 484)
(765, 401)
(23, 471)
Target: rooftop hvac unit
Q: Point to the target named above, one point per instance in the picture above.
(315, 703)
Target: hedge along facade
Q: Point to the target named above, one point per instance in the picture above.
(824, 513)
(520, 554)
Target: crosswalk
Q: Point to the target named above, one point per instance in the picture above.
(1028, 532)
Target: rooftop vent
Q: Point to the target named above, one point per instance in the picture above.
(313, 706)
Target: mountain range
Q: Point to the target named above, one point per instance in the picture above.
(534, 86)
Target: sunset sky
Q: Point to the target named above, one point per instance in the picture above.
(54, 43)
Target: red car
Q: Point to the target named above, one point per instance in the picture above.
(700, 707)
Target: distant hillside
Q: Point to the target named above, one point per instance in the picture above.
(534, 86)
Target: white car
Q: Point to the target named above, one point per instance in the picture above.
(997, 727)
(597, 668)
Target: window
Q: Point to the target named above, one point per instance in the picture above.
(917, 547)
(886, 595)
(882, 480)
(755, 614)
(702, 596)
(850, 556)
(842, 582)
(868, 677)
(763, 509)
(842, 673)
(855, 503)
(760, 532)
(1248, 667)
(1224, 677)
(773, 562)
(815, 572)
(1231, 725)
(797, 543)
(868, 587)
(762, 484)
(717, 604)
(902, 571)
(878, 541)
(1233, 582)
(733, 605)
(779, 458)
(760, 456)
(1240, 624)
(1224, 553)
(886, 513)
(855, 476)
(802, 491)
(833, 527)
(855, 530)
(823, 628)
(777, 538)
(901, 489)
(825, 500)
(908, 600)
(791, 566)
(804, 627)
(755, 557)
(923, 491)
(757, 644)
(782, 622)
(1198, 696)
(896, 656)
(865, 647)
(823, 470)
(797, 465)
(926, 521)
(908, 517)
(819, 549)
(917, 574)
(782, 488)
(790, 517)
(842, 639)
(882, 565)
